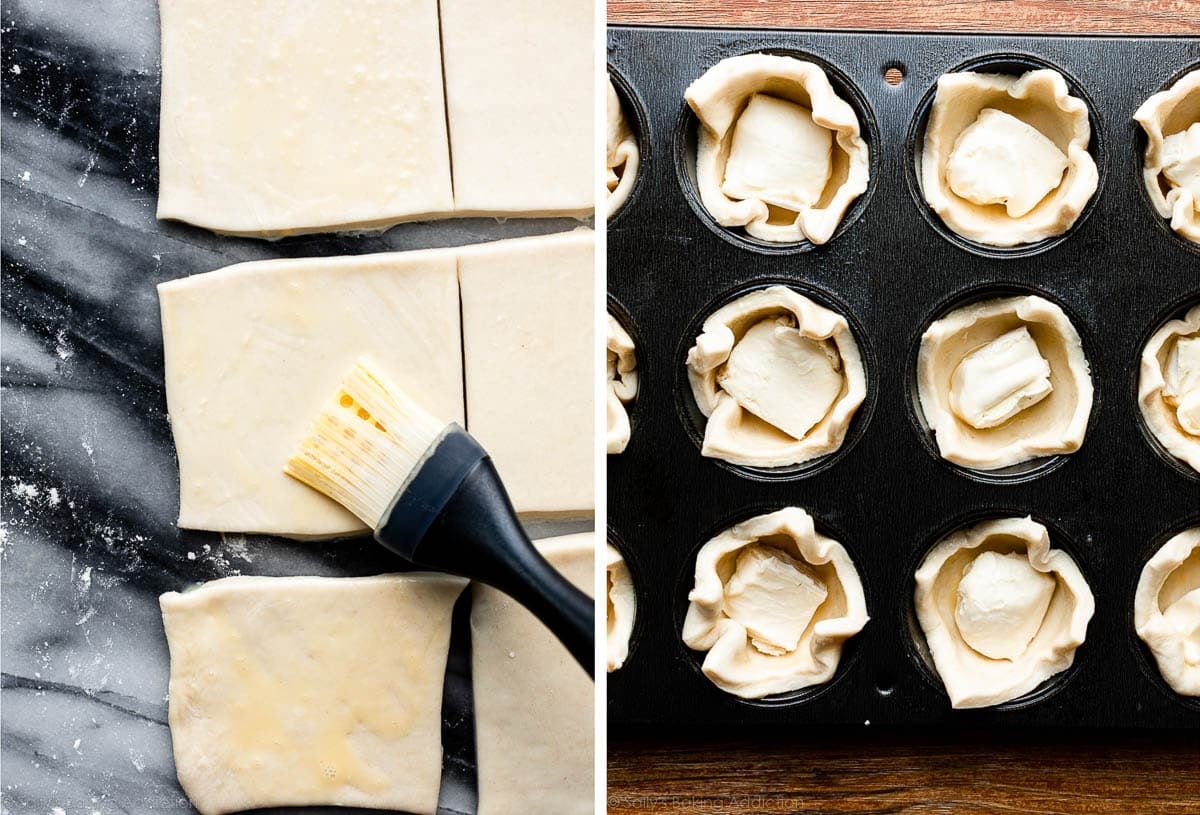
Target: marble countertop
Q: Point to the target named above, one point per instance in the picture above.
(89, 490)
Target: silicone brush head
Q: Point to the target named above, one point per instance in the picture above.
(365, 443)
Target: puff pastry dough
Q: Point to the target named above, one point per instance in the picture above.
(1166, 610)
(1004, 381)
(286, 116)
(1171, 172)
(303, 691)
(622, 154)
(1169, 387)
(621, 385)
(253, 351)
(520, 102)
(621, 607)
(779, 152)
(773, 604)
(527, 309)
(534, 705)
(779, 378)
(1005, 159)
(1002, 612)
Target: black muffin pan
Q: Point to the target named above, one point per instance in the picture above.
(891, 268)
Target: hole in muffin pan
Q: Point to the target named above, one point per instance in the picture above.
(639, 122)
(1172, 312)
(617, 310)
(629, 554)
(694, 421)
(1016, 473)
(1014, 64)
(893, 74)
(913, 636)
(686, 138)
(1145, 658)
(1138, 160)
(686, 580)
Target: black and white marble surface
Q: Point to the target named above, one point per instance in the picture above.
(89, 489)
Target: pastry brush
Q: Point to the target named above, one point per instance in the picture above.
(432, 495)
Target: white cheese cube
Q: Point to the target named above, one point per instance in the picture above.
(778, 154)
(783, 377)
(1002, 601)
(774, 596)
(1181, 387)
(1181, 160)
(1000, 379)
(1000, 159)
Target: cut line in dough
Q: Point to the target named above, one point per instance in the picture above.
(1171, 168)
(747, 654)
(772, 359)
(1004, 381)
(779, 153)
(306, 691)
(1005, 158)
(1169, 387)
(976, 591)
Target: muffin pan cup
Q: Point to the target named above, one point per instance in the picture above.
(1117, 272)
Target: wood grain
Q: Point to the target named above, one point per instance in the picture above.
(913, 774)
(1058, 16)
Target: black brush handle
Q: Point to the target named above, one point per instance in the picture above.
(454, 515)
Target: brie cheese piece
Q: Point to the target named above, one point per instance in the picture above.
(1004, 381)
(1182, 383)
(1005, 159)
(310, 691)
(999, 379)
(1169, 387)
(622, 154)
(774, 596)
(1002, 601)
(621, 608)
(1171, 167)
(779, 378)
(1166, 610)
(1181, 159)
(1001, 610)
(773, 604)
(783, 377)
(621, 385)
(779, 153)
(1000, 159)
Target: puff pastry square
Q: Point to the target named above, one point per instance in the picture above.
(302, 691)
(287, 116)
(527, 339)
(533, 703)
(253, 351)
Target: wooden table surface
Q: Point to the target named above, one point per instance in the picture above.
(882, 771)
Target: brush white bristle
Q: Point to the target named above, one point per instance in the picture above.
(365, 443)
